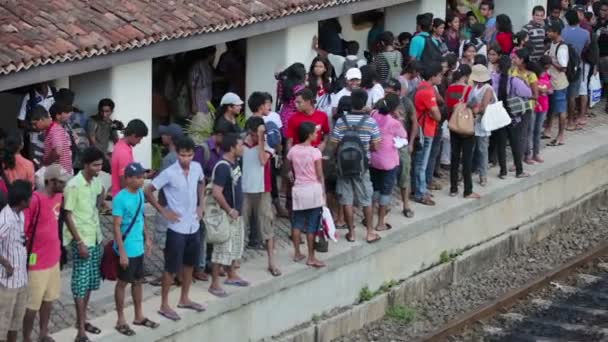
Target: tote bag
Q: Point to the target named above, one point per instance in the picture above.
(217, 222)
(495, 116)
(462, 120)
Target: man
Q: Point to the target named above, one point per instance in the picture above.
(305, 103)
(183, 184)
(353, 81)
(584, 23)
(40, 94)
(101, 130)
(428, 117)
(256, 186)
(555, 15)
(359, 187)
(128, 214)
(13, 261)
(57, 142)
(536, 33)
(601, 30)
(40, 121)
(122, 155)
(408, 118)
(227, 191)
(41, 222)
(580, 39)
(84, 196)
(559, 81)
(486, 8)
(417, 44)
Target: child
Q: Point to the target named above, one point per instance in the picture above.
(308, 192)
(542, 105)
(128, 213)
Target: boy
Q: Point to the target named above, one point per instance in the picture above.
(57, 142)
(129, 237)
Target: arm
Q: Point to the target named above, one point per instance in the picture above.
(318, 50)
(160, 181)
(488, 96)
(82, 248)
(91, 128)
(124, 260)
(435, 113)
(262, 154)
(201, 196)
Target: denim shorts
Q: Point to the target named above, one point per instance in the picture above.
(383, 182)
(559, 101)
(308, 220)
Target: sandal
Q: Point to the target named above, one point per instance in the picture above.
(221, 293)
(342, 226)
(554, 142)
(387, 226)
(523, 175)
(237, 282)
(374, 240)
(90, 328)
(147, 323)
(170, 315)
(274, 271)
(425, 201)
(193, 306)
(125, 330)
(409, 213)
(299, 258)
(349, 237)
(473, 195)
(315, 264)
(82, 339)
(46, 338)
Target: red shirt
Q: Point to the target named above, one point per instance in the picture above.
(57, 138)
(424, 100)
(505, 40)
(46, 243)
(122, 155)
(453, 94)
(318, 117)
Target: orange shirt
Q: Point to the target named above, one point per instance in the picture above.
(24, 169)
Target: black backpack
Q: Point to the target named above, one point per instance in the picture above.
(431, 52)
(573, 70)
(351, 156)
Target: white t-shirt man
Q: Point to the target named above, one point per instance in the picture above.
(46, 102)
(337, 62)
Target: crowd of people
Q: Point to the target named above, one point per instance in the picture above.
(344, 134)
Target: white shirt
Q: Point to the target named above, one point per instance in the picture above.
(12, 248)
(337, 62)
(374, 94)
(335, 98)
(274, 117)
(46, 102)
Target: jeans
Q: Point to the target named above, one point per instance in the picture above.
(421, 160)
(512, 133)
(433, 157)
(461, 145)
(536, 128)
(524, 138)
(481, 151)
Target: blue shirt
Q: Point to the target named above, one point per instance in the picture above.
(125, 204)
(417, 45)
(577, 37)
(181, 192)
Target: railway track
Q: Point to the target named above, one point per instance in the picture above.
(568, 303)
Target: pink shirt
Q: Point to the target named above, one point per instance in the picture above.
(122, 155)
(542, 104)
(46, 249)
(307, 192)
(386, 156)
(57, 138)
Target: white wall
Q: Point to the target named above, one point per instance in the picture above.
(402, 18)
(352, 32)
(520, 11)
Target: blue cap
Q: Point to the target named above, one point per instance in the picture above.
(134, 170)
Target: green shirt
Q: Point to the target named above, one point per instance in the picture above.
(81, 200)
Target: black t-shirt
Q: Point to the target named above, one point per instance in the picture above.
(227, 126)
(229, 177)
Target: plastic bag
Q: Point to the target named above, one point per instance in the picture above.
(595, 90)
(329, 226)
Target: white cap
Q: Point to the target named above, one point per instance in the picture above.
(353, 74)
(231, 99)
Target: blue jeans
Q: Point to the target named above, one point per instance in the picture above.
(421, 161)
(433, 157)
(481, 152)
(536, 128)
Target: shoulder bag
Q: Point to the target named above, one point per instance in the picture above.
(495, 116)
(217, 221)
(462, 120)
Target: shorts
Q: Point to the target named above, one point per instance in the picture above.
(559, 101)
(329, 169)
(86, 276)
(231, 250)
(260, 206)
(573, 87)
(405, 165)
(12, 307)
(43, 286)
(383, 182)
(134, 273)
(604, 69)
(307, 221)
(583, 89)
(359, 187)
(181, 249)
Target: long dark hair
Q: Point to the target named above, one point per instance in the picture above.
(294, 75)
(503, 23)
(504, 64)
(388, 104)
(12, 146)
(524, 55)
(325, 78)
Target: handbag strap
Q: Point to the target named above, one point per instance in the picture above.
(124, 236)
(30, 246)
(231, 180)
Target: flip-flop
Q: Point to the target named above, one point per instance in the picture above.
(237, 283)
(193, 306)
(147, 323)
(82, 339)
(125, 330)
(349, 237)
(378, 238)
(298, 259)
(274, 271)
(90, 328)
(555, 143)
(315, 265)
(409, 213)
(342, 226)
(46, 339)
(170, 315)
(387, 226)
(545, 137)
(221, 293)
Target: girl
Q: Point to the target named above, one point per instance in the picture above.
(477, 31)
(521, 41)
(308, 192)
(521, 61)
(410, 77)
(468, 54)
(385, 159)
(542, 105)
(462, 146)
(471, 20)
(14, 164)
(319, 82)
(290, 82)
(504, 35)
(505, 85)
(370, 82)
(437, 34)
(481, 96)
(451, 36)
(494, 53)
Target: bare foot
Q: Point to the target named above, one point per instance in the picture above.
(314, 262)
(299, 257)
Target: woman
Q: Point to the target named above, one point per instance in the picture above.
(521, 42)
(370, 82)
(504, 33)
(389, 61)
(505, 86)
(477, 31)
(437, 34)
(494, 54)
(481, 96)
(319, 82)
(15, 166)
(520, 69)
(468, 54)
(291, 81)
(451, 36)
(385, 159)
(462, 146)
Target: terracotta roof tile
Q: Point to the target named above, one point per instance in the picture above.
(40, 32)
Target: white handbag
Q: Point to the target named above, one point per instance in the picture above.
(595, 90)
(495, 116)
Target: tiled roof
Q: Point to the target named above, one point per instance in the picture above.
(40, 32)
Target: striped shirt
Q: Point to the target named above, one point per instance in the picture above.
(368, 132)
(57, 138)
(12, 248)
(536, 37)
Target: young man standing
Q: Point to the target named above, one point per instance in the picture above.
(353, 81)
(256, 184)
(183, 184)
(486, 8)
(559, 81)
(536, 33)
(100, 129)
(128, 213)
(305, 103)
(425, 23)
(40, 121)
(359, 187)
(122, 155)
(41, 95)
(228, 193)
(43, 242)
(13, 261)
(57, 142)
(84, 196)
(428, 117)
